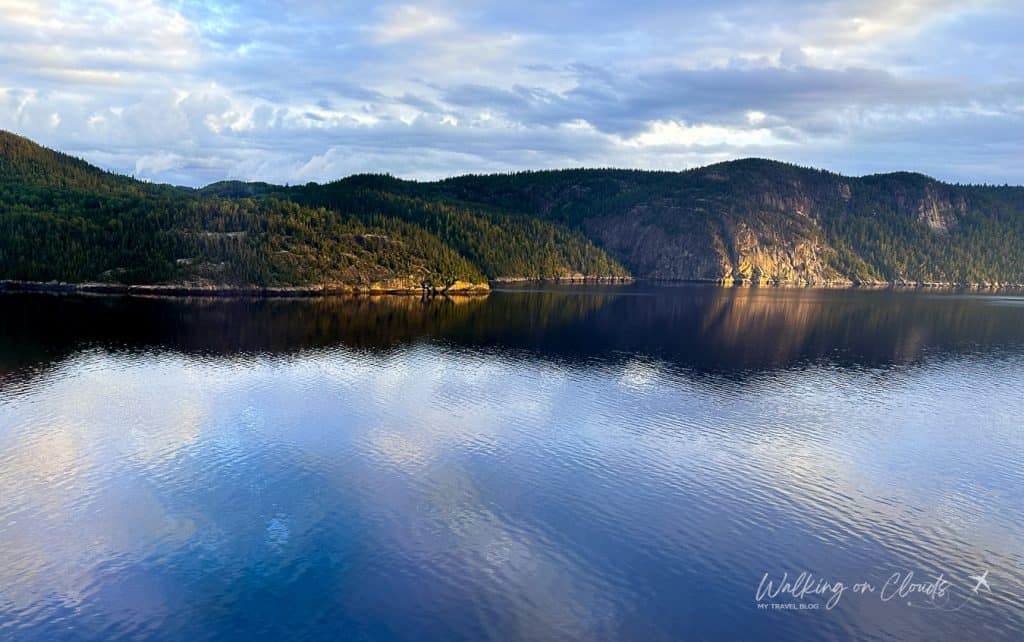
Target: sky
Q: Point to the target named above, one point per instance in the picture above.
(291, 91)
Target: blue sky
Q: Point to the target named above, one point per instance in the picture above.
(292, 91)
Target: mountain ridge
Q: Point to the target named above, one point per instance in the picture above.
(757, 220)
(750, 220)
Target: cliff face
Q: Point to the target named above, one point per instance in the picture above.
(648, 249)
(919, 198)
(939, 212)
(728, 249)
(767, 255)
(770, 234)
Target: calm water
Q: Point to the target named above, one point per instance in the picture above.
(582, 464)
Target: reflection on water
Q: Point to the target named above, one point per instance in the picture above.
(581, 464)
(704, 329)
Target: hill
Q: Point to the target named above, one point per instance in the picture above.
(63, 220)
(759, 220)
(751, 220)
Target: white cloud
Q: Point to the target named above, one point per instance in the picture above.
(192, 92)
(839, 34)
(675, 133)
(409, 21)
(96, 41)
(156, 164)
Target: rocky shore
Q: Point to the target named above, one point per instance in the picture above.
(459, 288)
(463, 288)
(569, 279)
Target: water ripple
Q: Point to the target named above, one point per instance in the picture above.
(448, 483)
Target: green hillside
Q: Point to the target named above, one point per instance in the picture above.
(750, 220)
(759, 219)
(64, 220)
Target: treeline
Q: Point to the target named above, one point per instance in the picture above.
(501, 244)
(873, 226)
(64, 220)
(267, 243)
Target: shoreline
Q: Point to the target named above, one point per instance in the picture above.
(182, 290)
(469, 290)
(576, 279)
(781, 285)
(847, 285)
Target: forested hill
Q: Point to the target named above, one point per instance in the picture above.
(763, 220)
(62, 219)
(749, 220)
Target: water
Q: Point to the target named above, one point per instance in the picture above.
(591, 464)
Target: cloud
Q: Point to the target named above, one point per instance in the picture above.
(623, 103)
(409, 21)
(289, 90)
(674, 133)
(101, 41)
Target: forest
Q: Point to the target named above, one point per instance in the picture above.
(750, 220)
(64, 220)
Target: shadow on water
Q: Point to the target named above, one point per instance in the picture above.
(731, 332)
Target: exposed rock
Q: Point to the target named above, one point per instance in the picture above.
(940, 212)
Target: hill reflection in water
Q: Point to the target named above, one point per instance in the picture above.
(737, 331)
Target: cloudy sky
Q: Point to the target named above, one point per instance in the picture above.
(292, 91)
